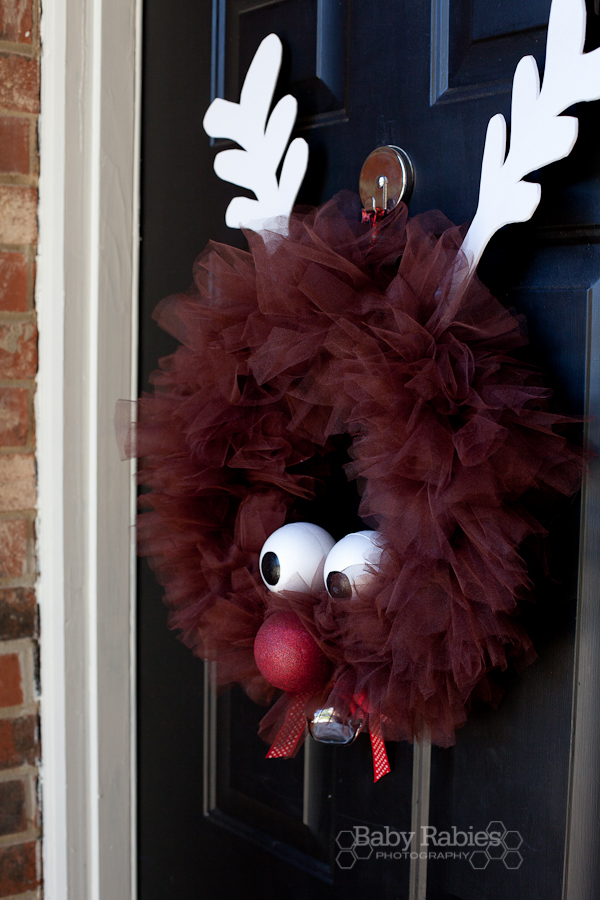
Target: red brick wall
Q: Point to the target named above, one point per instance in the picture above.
(20, 868)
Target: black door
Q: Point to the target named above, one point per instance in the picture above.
(215, 818)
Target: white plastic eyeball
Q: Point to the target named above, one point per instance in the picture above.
(350, 561)
(293, 555)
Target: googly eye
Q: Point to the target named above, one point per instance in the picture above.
(350, 560)
(293, 555)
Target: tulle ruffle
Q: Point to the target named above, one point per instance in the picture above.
(336, 329)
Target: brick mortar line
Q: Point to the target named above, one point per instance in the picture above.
(34, 150)
(7, 112)
(27, 770)
(10, 315)
(29, 383)
(28, 448)
(16, 48)
(14, 645)
(9, 515)
(18, 248)
(20, 837)
(19, 179)
(33, 815)
(22, 581)
(24, 709)
(28, 512)
(28, 895)
(35, 21)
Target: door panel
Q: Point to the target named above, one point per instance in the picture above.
(492, 20)
(475, 47)
(215, 816)
(315, 72)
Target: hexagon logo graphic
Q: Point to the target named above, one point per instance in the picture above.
(496, 831)
(345, 840)
(513, 859)
(479, 859)
(363, 851)
(512, 840)
(345, 859)
(496, 851)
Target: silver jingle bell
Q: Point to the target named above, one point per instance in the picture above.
(329, 728)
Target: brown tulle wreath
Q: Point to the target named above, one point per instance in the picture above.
(339, 331)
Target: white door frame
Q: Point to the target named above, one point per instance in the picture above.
(87, 309)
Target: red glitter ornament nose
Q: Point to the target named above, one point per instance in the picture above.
(287, 655)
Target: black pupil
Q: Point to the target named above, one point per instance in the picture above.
(270, 568)
(338, 586)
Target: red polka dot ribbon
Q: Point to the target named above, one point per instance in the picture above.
(292, 731)
(381, 764)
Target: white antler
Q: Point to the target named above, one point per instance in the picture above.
(539, 134)
(255, 166)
